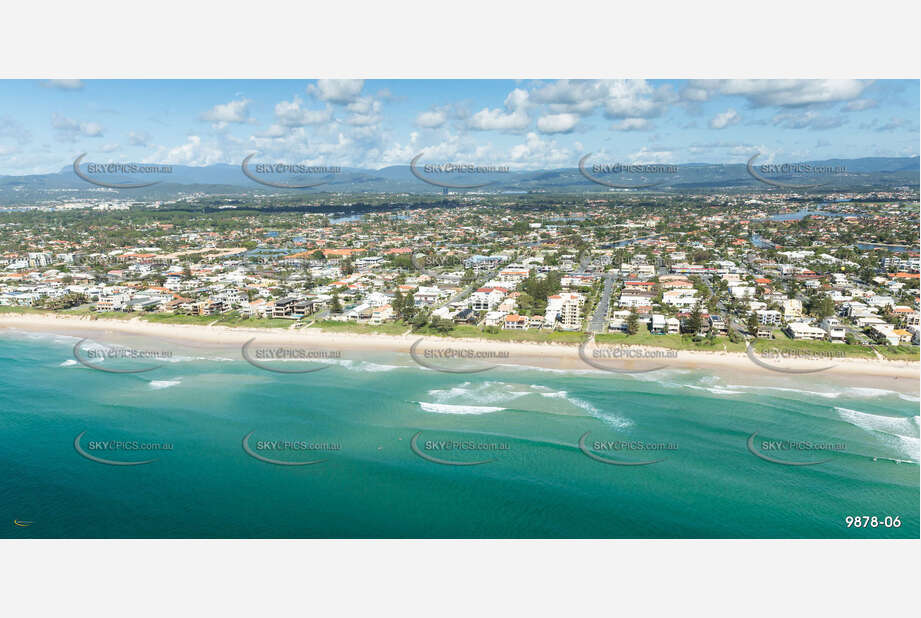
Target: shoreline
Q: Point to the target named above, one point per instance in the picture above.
(896, 374)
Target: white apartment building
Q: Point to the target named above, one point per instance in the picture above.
(803, 331)
(769, 317)
(832, 326)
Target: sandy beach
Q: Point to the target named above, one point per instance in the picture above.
(902, 376)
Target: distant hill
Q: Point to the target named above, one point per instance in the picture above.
(869, 173)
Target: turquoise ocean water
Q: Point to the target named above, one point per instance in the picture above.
(526, 422)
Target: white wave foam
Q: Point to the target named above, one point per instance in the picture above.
(486, 392)
(854, 392)
(716, 390)
(444, 408)
(160, 384)
(902, 432)
(907, 426)
(365, 366)
(606, 417)
(69, 363)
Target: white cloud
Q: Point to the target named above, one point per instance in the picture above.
(336, 90)
(723, 120)
(68, 130)
(291, 114)
(234, 112)
(636, 98)
(193, 152)
(138, 138)
(63, 84)
(778, 92)
(514, 119)
(632, 124)
(14, 130)
(557, 123)
(652, 155)
(619, 98)
(859, 105)
(275, 131)
(365, 112)
(432, 119)
(807, 120)
(537, 153)
(91, 129)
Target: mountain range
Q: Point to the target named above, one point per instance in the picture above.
(864, 174)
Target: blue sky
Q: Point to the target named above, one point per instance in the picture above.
(525, 124)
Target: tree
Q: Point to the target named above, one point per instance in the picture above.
(186, 272)
(752, 324)
(442, 325)
(335, 306)
(397, 304)
(695, 320)
(633, 323)
(734, 335)
(821, 306)
(409, 307)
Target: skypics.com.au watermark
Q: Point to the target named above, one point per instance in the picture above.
(624, 452)
(626, 169)
(116, 358)
(448, 358)
(261, 173)
(624, 358)
(288, 358)
(428, 264)
(792, 170)
(425, 449)
(96, 171)
(463, 169)
(94, 450)
(769, 449)
(792, 360)
(262, 449)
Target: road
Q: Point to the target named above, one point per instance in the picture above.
(478, 283)
(600, 317)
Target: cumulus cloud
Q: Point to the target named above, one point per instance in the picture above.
(807, 120)
(571, 96)
(234, 112)
(193, 152)
(138, 138)
(64, 84)
(894, 124)
(365, 112)
(14, 130)
(652, 155)
(432, 119)
(618, 98)
(557, 123)
(636, 98)
(514, 118)
(859, 105)
(340, 91)
(632, 124)
(69, 130)
(292, 114)
(725, 119)
(537, 153)
(778, 92)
